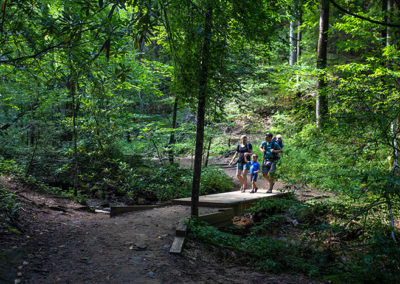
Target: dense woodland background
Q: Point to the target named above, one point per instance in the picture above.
(100, 98)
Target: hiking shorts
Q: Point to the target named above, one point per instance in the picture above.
(253, 177)
(268, 167)
(245, 166)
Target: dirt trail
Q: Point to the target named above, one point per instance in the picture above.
(63, 244)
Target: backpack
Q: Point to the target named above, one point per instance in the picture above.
(275, 156)
(249, 158)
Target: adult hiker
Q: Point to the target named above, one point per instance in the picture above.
(270, 149)
(244, 151)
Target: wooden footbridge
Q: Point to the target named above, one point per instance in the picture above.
(238, 201)
(230, 204)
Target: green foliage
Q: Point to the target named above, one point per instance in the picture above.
(10, 167)
(268, 254)
(171, 181)
(320, 245)
(161, 182)
(9, 209)
(214, 180)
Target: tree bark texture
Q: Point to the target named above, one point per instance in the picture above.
(321, 105)
(298, 46)
(384, 29)
(201, 109)
(72, 90)
(292, 40)
(389, 8)
(172, 137)
(208, 152)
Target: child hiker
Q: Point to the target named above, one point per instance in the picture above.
(254, 169)
(278, 139)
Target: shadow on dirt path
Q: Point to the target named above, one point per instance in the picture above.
(63, 244)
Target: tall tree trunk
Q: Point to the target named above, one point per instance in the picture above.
(393, 126)
(298, 46)
(175, 107)
(394, 123)
(201, 109)
(292, 40)
(321, 105)
(172, 137)
(389, 8)
(32, 134)
(384, 30)
(208, 152)
(72, 90)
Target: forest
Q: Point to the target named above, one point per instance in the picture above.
(138, 102)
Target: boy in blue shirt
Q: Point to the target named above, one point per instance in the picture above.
(254, 169)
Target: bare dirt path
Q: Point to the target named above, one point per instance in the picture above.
(63, 244)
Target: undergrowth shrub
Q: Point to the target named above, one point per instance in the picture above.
(266, 253)
(322, 243)
(214, 180)
(108, 174)
(9, 209)
(172, 181)
(328, 161)
(10, 167)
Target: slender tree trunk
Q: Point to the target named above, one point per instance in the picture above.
(384, 10)
(175, 107)
(394, 123)
(30, 166)
(389, 8)
(201, 109)
(298, 46)
(32, 134)
(172, 137)
(321, 106)
(72, 90)
(156, 50)
(292, 40)
(158, 152)
(208, 152)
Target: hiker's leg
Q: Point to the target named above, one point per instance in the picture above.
(244, 178)
(239, 176)
(266, 170)
(246, 169)
(271, 181)
(271, 176)
(265, 175)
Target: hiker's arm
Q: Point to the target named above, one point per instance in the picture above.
(234, 156)
(246, 155)
(276, 150)
(262, 149)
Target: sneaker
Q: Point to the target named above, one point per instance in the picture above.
(253, 191)
(269, 191)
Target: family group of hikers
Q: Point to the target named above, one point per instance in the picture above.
(247, 161)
